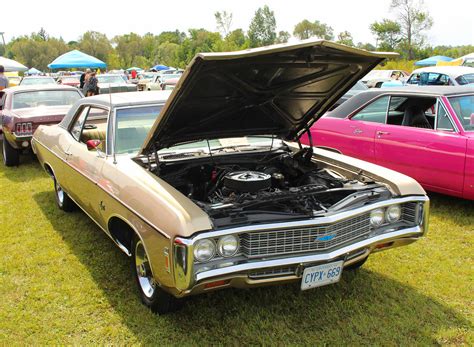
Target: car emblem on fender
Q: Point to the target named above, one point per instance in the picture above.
(327, 237)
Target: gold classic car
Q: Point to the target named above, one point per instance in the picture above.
(208, 187)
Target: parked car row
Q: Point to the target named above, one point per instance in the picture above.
(241, 177)
(209, 187)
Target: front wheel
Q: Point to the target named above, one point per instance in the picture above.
(11, 156)
(150, 293)
(63, 200)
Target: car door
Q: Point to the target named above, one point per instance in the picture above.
(434, 157)
(354, 135)
(85, 165)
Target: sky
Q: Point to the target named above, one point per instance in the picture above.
(453, 20)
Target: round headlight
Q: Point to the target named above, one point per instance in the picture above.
(204, 250)
(377, 217)
(228, 245)
(393, 213)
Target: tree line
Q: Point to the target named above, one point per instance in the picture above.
(404, 32)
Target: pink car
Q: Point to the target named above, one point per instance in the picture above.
(424, 132)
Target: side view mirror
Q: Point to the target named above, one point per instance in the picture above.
(93, 144)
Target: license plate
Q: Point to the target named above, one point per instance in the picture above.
(321, 275)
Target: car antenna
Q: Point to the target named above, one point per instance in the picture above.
(113, 149)
(210, 152)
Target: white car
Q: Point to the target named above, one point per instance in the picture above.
(375, 78)
(442, 76)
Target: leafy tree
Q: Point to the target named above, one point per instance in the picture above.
(42, 35)
(166, 54)
(283, 37)
(33, 51)
(95, 44)
(414, 20)
(171, 36)
(306, 29)
(128, 46)
(388, 34)
(262, 28)
(224, 22)
(366, 46)
(345, 38)
(235, 40)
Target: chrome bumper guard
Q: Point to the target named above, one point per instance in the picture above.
(183, 260)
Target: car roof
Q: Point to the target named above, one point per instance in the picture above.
(38, 87)
(37, 77)
(447, 70)
(127, 98)
(363, 97)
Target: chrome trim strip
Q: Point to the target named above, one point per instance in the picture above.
(112, 196)
(409, 232)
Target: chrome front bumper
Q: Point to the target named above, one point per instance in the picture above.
(189, 281)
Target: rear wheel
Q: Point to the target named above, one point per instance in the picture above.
(151, 294)
(11, 156)
(63, 200)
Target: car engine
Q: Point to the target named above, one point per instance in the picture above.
(251, 188)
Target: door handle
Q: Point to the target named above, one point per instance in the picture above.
(358, 131)
(380, 133)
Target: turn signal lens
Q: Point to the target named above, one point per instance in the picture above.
(377, 217)
(204, 250)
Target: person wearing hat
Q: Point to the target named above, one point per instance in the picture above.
(3, 79)
(82, 80)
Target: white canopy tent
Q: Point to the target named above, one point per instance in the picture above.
(12, 65)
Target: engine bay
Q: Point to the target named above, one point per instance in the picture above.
(249, 188)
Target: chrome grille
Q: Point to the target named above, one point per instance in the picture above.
(314, 238)
(409, 212)
(276, 272)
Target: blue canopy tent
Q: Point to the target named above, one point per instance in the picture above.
(431, 61)
(77, 59)
(33, 71)
(160, 67)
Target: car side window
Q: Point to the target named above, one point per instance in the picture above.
(76, 128)
(374, 112)
(414, 79)
(442, 119)
(91, 124)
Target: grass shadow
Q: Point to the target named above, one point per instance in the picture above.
(364, 308)
(27, 160)
(451, 208)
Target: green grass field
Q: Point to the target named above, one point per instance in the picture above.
(62, 281)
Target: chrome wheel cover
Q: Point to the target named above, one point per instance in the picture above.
(59, 194)
(143, 270)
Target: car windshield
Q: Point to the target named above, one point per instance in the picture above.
(132, 126)
(34, 81)
(110, 79)
(45, 98)
(465, 79)
(378, 74)
(464, 108)
(170, 76)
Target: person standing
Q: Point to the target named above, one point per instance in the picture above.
(92, 85)
(3, 79)
(134, 74)
(83, 78)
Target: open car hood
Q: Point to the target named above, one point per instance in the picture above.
(277, 90)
